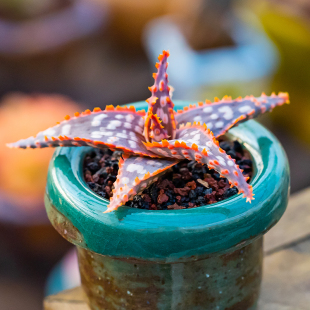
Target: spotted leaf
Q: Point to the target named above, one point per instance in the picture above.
(117, 128)
(160, 102)
(134, 175)
(195, 142)
(221, 115)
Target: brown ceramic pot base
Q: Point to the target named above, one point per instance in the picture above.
(228, 281)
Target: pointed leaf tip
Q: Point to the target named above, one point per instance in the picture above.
(160, 102)
(224, 114)
(166, 53)
(128, 186)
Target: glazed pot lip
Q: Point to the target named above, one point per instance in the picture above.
(223, 223)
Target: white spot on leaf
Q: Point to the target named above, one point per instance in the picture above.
(49, 132)
(221, 160)
(132, 144)
(98, 118)
(219, 124)
(112, 139)
(141, 122)
(159, 112)
(65, 130)
(121, 135)
(134, 138)
(96, 134)
(138, 129)
(154, 163)
(113, 124)
(197, 118)
(106, 133)
(196, 137)
(194, 132)
(165, 119)
(207, 109)
(129, 118)
(228, 112)
(245, 109)
(135, 167)
(210, 125)
(125, 180)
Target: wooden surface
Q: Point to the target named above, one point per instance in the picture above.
(286, 276)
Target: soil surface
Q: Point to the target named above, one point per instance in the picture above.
(186, 185)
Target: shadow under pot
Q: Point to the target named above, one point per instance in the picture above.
(209, 257)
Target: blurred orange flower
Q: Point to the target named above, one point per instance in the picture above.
(23, 172)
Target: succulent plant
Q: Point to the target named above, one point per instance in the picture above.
(155, 140)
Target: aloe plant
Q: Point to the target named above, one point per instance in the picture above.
(155, 140)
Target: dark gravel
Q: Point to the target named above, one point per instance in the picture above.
(186, 185)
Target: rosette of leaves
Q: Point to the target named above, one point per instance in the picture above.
(154, 141)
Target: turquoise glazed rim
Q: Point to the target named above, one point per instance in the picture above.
(172, 235)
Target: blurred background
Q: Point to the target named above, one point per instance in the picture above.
(62, 56)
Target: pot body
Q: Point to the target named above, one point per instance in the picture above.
(208, 257)
(226, 281)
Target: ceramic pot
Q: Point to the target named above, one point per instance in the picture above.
(208, 257)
